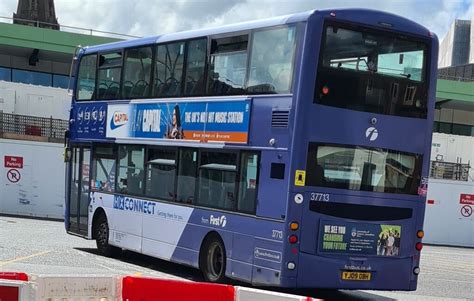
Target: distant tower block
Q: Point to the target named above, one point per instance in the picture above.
(38, 13)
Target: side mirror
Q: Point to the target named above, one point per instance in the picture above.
(67, 154)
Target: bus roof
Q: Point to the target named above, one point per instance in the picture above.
(364, 16)
(275, 21)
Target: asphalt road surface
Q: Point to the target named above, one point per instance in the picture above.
(43, 247)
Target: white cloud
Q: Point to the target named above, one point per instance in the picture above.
(146, 17)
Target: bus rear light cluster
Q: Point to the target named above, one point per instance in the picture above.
(294, 226)
(419, 246)
(325, 90)
(420, 234)
(291, 265)
(293, 239)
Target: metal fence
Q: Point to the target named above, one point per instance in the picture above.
(449, 171)
(51, 128)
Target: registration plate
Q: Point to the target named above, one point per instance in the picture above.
(358, 276)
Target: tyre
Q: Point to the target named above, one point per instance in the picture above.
(102, 238)
(213, 260)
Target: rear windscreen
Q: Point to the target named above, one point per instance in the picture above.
(372, 71)
(363, 168)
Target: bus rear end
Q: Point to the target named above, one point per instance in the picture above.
(363, 122)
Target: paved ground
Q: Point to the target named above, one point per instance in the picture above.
(43, 247)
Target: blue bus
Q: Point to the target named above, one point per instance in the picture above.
(288, 152)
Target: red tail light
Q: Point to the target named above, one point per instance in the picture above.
(293, 239)
(419, 246)
(325, 90)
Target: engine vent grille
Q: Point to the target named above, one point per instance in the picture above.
(280, 118)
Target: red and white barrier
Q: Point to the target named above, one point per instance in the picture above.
(15, 287)
(248, 294)
(20, 287)
(153, 289)
(88, 288)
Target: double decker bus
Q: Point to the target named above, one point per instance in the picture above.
(289, 152)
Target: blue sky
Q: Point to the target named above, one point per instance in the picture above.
(152, 17)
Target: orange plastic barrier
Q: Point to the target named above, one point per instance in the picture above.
(140, 288)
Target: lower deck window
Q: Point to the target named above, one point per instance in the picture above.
(161, 174)
(187, 175)
(225, 180)
(217, 176)
(131, 171)
(363, 168)
(103, 169)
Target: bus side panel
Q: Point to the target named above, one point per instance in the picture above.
(125, 227)
(248, 242)
(273, 186)
(163, 228)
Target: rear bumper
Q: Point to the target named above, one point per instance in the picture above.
(325, 272)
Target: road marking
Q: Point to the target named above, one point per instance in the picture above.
(450, 280)
(429, 271)
(2, 263)
(446, 253)
(106, 267)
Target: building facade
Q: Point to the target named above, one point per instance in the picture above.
(457, 46)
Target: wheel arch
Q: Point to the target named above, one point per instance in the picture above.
(211, 235)
(97, 213)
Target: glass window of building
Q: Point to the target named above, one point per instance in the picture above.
(271, 63)
(5, 74)
(137, 72)
(60, 81)
(86, 77)
(32, 77)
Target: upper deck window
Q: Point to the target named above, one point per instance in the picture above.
(372, 71)
(195, 83)
(169, 69)
(228, 65)
(86, 77)
(109, 73)
(271, 63)
(137, 72)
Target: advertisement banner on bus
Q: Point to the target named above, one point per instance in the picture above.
(211, 121)
(359, 238)
(90, 121)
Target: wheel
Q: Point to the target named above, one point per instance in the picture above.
(102, 238)
(213, 260)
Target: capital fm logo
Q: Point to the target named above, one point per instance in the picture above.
(118, 119)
